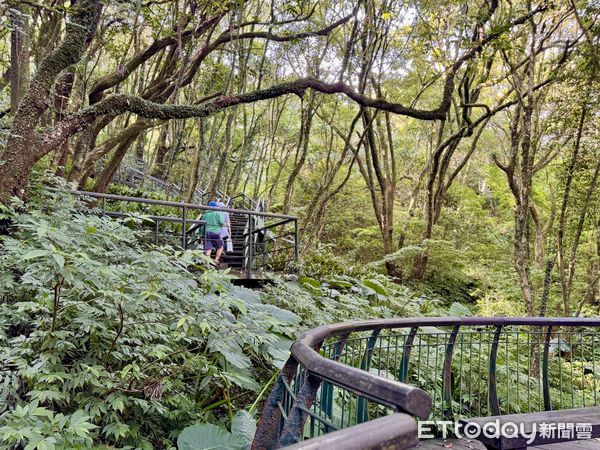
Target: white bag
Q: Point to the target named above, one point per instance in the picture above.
(229, 245)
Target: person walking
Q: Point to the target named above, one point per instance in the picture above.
(226, 229)
(214, 223)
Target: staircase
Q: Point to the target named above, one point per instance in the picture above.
(239, 225)
(272, 245)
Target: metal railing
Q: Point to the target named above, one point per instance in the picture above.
(342, 375)
(137, 178)
(243, 201)
(178, 224)
(398, 431)
(133, 173)
(269, 243)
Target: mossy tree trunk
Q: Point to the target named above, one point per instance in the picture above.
(23, 147)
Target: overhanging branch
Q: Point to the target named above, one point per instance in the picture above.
(121, 103)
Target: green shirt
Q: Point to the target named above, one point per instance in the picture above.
(214, 221)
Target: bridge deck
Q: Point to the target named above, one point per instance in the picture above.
(464, 444)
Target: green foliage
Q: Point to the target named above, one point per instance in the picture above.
(334, 298)
(205, 436)
(243, 425)
(105, 341)
(322, 261)
(208, 436)
(44, 429)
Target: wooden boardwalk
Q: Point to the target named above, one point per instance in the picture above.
(470, 444)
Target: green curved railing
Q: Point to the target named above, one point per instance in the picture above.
(341, 376)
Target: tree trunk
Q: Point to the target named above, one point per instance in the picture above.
(105, 177)
(217, 182)
(19, 54)
(61, 100)
(195, 175)
(560, 248)
(23, 147)
(160, 169)
(302, 150)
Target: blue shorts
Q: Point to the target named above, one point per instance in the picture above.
(213, 240)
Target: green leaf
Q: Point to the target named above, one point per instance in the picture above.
(376, 286)
(459, 310)
(116, 429)
(207, 436)
(79, 425)
(339, 282)
(280, 315)
(36, 254)
(42, 412)
(280, 351)
(243, 426)
(234, 356)
(243, 379)
(60, 260)
(117, 403)
(309, 281)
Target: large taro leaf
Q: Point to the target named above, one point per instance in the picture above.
(207, 436)
(243, 427)
(279, 315)
(249, 296)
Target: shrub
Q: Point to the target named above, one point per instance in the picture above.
(104, 341)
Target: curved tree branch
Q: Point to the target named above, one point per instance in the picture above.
(121, 103)
(115, 78)
(111, 80)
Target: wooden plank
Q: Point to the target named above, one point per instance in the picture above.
(589, 444)
(454, 444)
(588, 416)
(566, 415)
(464, 444)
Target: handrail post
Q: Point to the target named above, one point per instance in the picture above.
(447, 376)
(406, 351)
(362, 404)
(545, 376)
(267, 428)
(294, 425)
(184, 231)
(296, 244)
(493, 401)
(156, 232)
(327, 388)
(250, 245)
